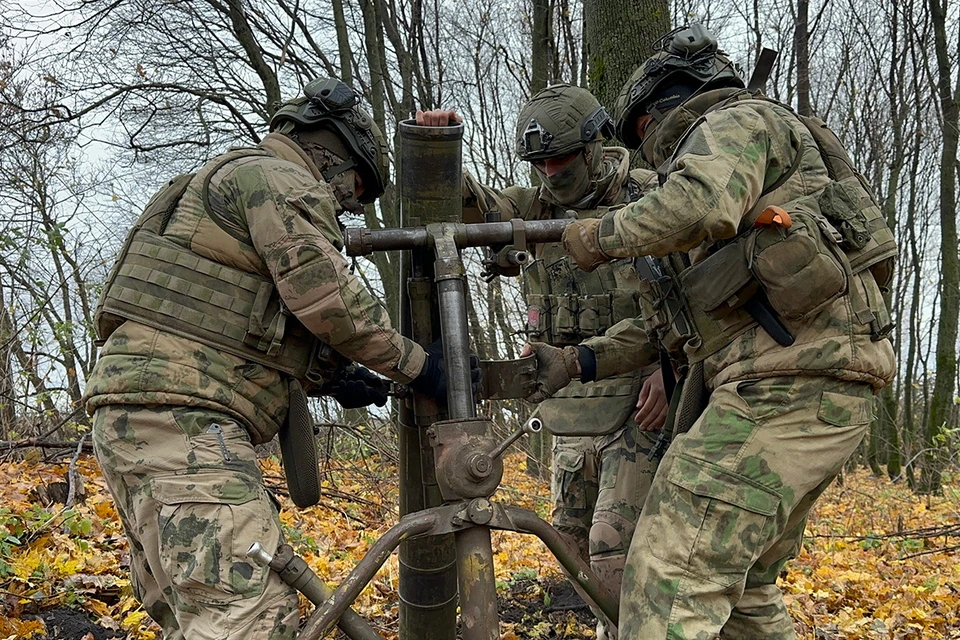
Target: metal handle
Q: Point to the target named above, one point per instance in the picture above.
(533, 425)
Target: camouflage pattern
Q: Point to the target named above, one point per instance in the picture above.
(175, 421)
(575, 485)
(728, 503)
(191, 498)
(599, 482)
(728, 506)
(599, 485)
(714, 180)
(277, 218)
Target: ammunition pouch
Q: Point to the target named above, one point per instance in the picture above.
(566, 305)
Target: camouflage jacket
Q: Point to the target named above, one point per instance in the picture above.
(566, 304)
(716, 174)
(281, 222)
(624, 346)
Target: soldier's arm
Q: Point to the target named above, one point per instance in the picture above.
(718, 176)
(292, 221)
(622, 348)
(512, 202)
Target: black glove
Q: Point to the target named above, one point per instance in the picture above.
(359, 387)
(432, 380)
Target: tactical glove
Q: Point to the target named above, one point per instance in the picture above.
(581, 239)
(432, 380)
(359, 387)
(556, 367)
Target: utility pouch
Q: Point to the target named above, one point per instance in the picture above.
(867, 240)
(591, 409)
(721, 282)
(660, 316)
(623, 305)
(798, 267)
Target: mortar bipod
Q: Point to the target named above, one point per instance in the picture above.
(471, 468)
(458, 444)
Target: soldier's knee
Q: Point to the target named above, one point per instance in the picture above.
(608, 539)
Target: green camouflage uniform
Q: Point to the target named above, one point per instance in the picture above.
(175, 420)
(728, 505)
(599, 482)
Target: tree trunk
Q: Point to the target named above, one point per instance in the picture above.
(619, 35)
(801, 38)
(946, 355)
(8, 411)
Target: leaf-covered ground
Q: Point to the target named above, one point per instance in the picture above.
(872, 568)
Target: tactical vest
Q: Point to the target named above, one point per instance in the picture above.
(836, 236)
(164, 285)
(566, 305)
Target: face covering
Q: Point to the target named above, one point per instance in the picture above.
(570, 184)
(327, 151)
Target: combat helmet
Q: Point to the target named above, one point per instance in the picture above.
(559, 120)
(332, 104)
(688, 58)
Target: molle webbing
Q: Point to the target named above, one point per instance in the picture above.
(161, 284)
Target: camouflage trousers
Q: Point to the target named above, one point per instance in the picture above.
(192, 501)
(728, 507)
(599, 485)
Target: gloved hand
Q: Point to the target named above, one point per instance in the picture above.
(359, 387)
(432, 380)
(581, 240)
(556, 367)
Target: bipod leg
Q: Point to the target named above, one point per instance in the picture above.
(322, 621)
(528, 522)
(293, 570)
(478, 591)
(481, 514)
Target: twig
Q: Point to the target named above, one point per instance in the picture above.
(931, 551)
(43, 444)
(72, 478)
(61, 425)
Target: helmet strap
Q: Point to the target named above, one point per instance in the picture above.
(330, 173)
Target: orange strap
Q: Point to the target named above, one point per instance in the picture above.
(773, 215)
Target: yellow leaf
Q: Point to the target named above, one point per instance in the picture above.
(133, 620)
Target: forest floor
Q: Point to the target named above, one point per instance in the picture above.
(879, 562)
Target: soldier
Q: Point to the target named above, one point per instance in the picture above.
(226, 291)
(599, 480)
(769, 295)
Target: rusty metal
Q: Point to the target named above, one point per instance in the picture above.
(325, 617)
(464, 466)
(361, 242)
(504, 379)
(531, 426)
(295, 572)
(478, 596)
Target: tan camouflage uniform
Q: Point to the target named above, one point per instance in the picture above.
(728, 505)
(599, 482)
(175, 421)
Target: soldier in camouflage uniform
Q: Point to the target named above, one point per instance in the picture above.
(600, 480)
(779, 253)
(212, 317)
